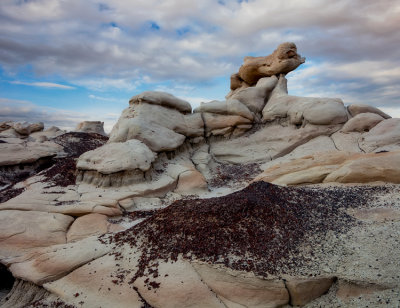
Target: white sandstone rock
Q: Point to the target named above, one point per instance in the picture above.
(228, 107)
(362, 122)
(385, 134)
(356, 109)
(300, 110)
(162, 99)
(117, 157)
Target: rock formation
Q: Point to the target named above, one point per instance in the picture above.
(283, 60)
(201, 209)
(96, 127)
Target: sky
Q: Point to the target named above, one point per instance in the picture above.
(66, 61)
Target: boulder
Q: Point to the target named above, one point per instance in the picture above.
(255, 97)
(301, 110)
(282, 61)
(87, 225)
(51, 263)
(96, 127)
(14, 154)
(384, 136)
(355, 109)
(162, 99)
(25, 128)
(362, 122)
(339, 167)
(116, 157)
(24, 230)
(228, 107)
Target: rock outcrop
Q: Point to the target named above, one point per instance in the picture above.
(282, 61)
(96, 127)
(177, 209)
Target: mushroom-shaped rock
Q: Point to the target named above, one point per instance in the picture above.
(314, 110)
(91, 127)
(162, 99)
(228, 107)
(361, 108)
(282, 61)
(117, 157)
(362, 122)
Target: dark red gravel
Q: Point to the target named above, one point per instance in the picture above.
(256, 229)
(63, 171)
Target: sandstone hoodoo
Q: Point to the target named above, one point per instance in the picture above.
(199, 208)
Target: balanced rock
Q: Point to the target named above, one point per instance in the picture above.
(96, 127)
(282, 61)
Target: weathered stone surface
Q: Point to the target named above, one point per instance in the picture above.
(158, 138)
(23, 230)
(180, 286)
(348, 290)
(300, 110)
(53, 262)
(242, 289)
(255, 97)
(14, 154)
(355, 109)
(87, 225)
(268, 143)
(93, 284)
(228, 107)
(116, 157)
(384, 136)
(362, 122)
(340, 167)
(214, 121)
(162, 99)
(91, 127)
(303, 291)
(191, 181)
(369, 168)
(283, 60)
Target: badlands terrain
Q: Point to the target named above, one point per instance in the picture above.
(262, 200)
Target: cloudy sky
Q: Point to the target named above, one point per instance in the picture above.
(64, 61)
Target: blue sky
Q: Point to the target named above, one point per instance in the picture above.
(62, 62)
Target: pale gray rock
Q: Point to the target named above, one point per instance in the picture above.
(25, 128)
(14, 154)
(228, 107)
(214, 121)
(117, 157)
(255, 97)
(96, 127)
(162, 99)
(362, 122)
(300, 110)
(355, 109)
(385, 134)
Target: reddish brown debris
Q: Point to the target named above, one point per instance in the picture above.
(258, 229)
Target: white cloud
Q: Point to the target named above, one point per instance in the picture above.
(43, 85)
